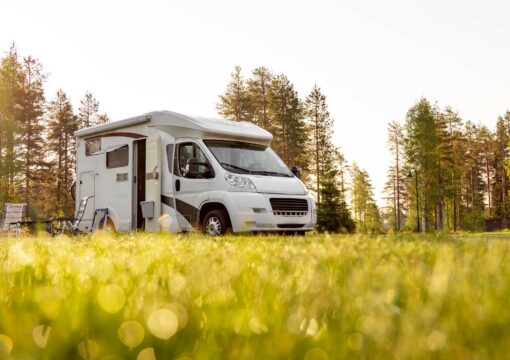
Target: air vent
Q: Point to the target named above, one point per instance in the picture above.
(289, 207)
(290, 226)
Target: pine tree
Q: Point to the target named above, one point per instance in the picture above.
(395, 196)
(333, 214)
(32, 145)
(486, 141)
(235, 104)
(290, 132)
(473, 190)
(501, 184)
(451, 155)
(103, 119)
(88, 111)
(395, 186)
(365, 210)
(421, 149)
(320, 125)
(11, 78)
(258, 93)
(62, 123)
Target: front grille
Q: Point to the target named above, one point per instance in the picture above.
(289, 207)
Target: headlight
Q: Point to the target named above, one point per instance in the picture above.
(239, 183)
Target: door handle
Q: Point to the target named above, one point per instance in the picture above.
(177, 185)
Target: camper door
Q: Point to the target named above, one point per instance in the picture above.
(152, 205)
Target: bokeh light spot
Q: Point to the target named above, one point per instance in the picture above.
(313, 328)
(111, 298)
(6, 345)
(180, 312)
(146, 354)
(131, 333)
(88, 350)
(316, 354)
(41, 334)
(296, 323)
(163, 323)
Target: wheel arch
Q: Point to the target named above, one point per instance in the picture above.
(110, 222)
(112, 218)
(214, 205)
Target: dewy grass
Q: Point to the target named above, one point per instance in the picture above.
(246, 297)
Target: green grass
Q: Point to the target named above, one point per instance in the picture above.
(243, 297)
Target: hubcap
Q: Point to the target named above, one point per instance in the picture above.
(213, 226)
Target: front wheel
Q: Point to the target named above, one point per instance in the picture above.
(216, 223)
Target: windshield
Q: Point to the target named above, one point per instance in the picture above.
(245, 158)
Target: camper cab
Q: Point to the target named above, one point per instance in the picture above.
(164, 171)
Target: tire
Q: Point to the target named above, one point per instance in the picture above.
(216, 223)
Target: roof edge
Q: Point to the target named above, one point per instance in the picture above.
(141, 119)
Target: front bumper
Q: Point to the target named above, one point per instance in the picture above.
(253, 212)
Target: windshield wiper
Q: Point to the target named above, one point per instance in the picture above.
(236, 167)
(274, 173)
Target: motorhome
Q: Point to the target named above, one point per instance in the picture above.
(164, 171)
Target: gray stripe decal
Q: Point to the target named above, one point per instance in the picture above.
(189, 212)
(167, 200)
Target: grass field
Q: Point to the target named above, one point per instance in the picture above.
(145, 296)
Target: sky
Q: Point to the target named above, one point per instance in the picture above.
(372, 59)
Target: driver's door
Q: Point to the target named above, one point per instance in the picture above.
(190, 192)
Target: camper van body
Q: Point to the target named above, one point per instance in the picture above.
(142, 160)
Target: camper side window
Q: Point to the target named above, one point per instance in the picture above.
(118, 157)
(92, 146)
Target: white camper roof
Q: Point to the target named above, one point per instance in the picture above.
(189, 125)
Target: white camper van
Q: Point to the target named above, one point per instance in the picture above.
(171, 172)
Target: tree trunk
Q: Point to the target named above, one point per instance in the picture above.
(454, 209)
(440, 214)
(395, 204)
(66, 167)
(27, 173)
(264, 103)
(397, 176)
(424, 219)
(59, 173)
(317, 167)
(487, 172)
(503, 193)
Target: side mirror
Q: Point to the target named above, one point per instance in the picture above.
(296, 170)
(193, 168)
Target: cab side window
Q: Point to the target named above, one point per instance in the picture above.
(185, 153)
(188, 151)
